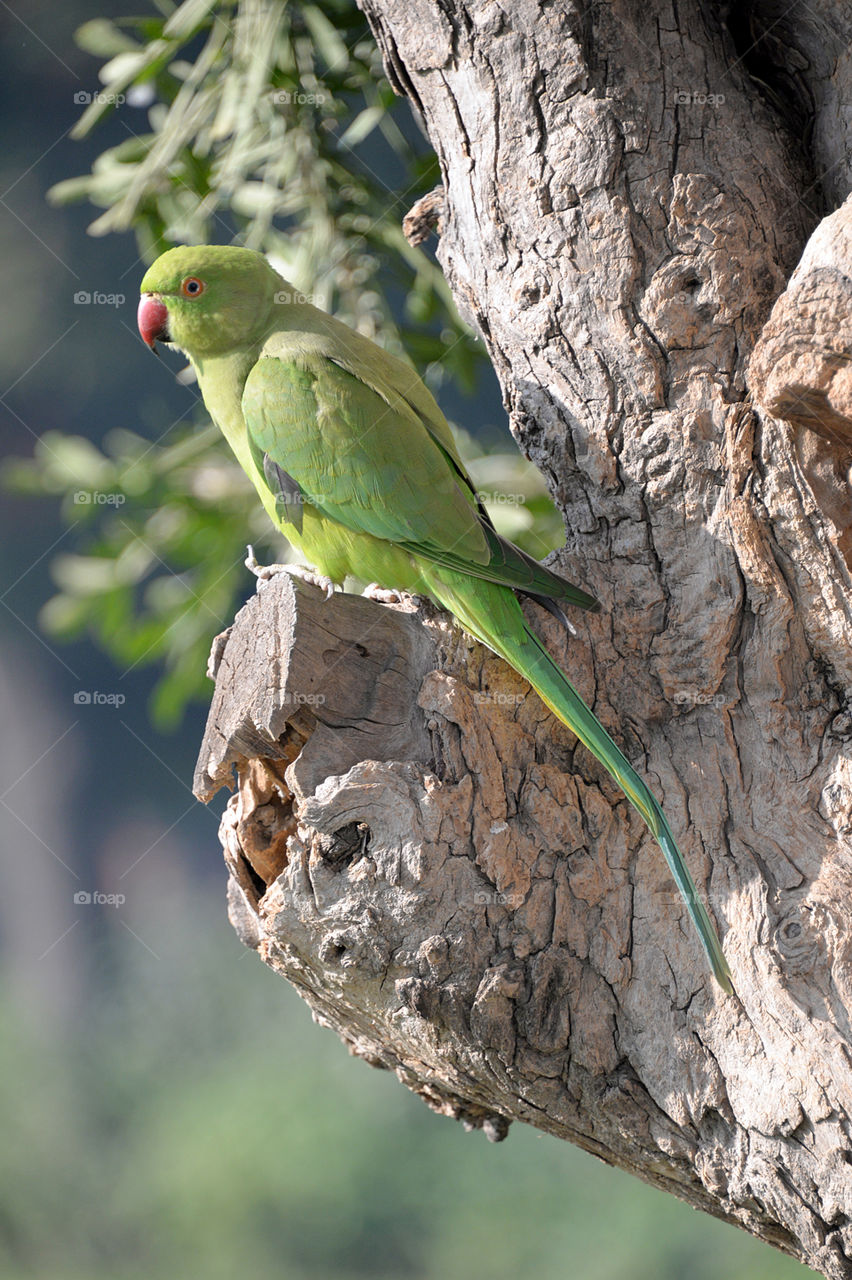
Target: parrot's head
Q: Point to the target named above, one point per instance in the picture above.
(207, 299)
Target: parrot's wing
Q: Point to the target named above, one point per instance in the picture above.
(369, 461)
(361, 461)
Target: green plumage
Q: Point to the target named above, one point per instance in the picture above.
(355, 463)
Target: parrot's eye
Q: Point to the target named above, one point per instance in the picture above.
(191, 287)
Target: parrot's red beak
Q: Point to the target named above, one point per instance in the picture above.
(152, 320)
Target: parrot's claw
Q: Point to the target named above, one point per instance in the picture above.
(316, 579)
(263, 572)
(383, 595)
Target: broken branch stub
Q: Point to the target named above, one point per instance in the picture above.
(801, 368)
(400, 848)
(410, 846)
(460, 892)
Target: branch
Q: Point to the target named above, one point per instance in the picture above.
(463, 909)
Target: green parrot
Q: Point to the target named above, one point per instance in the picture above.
(356, 465)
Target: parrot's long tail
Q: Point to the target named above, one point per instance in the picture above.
(522, 649)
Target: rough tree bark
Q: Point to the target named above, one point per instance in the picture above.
(415, 843)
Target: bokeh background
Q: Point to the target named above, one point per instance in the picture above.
(169, 1108)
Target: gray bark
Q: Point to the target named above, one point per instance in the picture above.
(415, 843)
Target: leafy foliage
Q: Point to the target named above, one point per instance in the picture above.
(268, 123)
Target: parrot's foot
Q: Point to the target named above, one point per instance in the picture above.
(383, 595)
(264, 572)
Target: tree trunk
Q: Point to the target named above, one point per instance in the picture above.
(415, 843)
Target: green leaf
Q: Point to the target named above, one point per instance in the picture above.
(362, 126)
(103, 38)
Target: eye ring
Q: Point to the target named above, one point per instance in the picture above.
(191, 287)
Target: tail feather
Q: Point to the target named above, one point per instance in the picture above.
(511, 638)
(533, 661)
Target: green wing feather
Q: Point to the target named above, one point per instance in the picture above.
(362, 463)
(373, 465)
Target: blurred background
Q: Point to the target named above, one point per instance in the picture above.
(169, 1106)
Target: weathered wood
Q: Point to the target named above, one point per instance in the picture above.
(801, 369)
(471, 902)
(284, 688)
